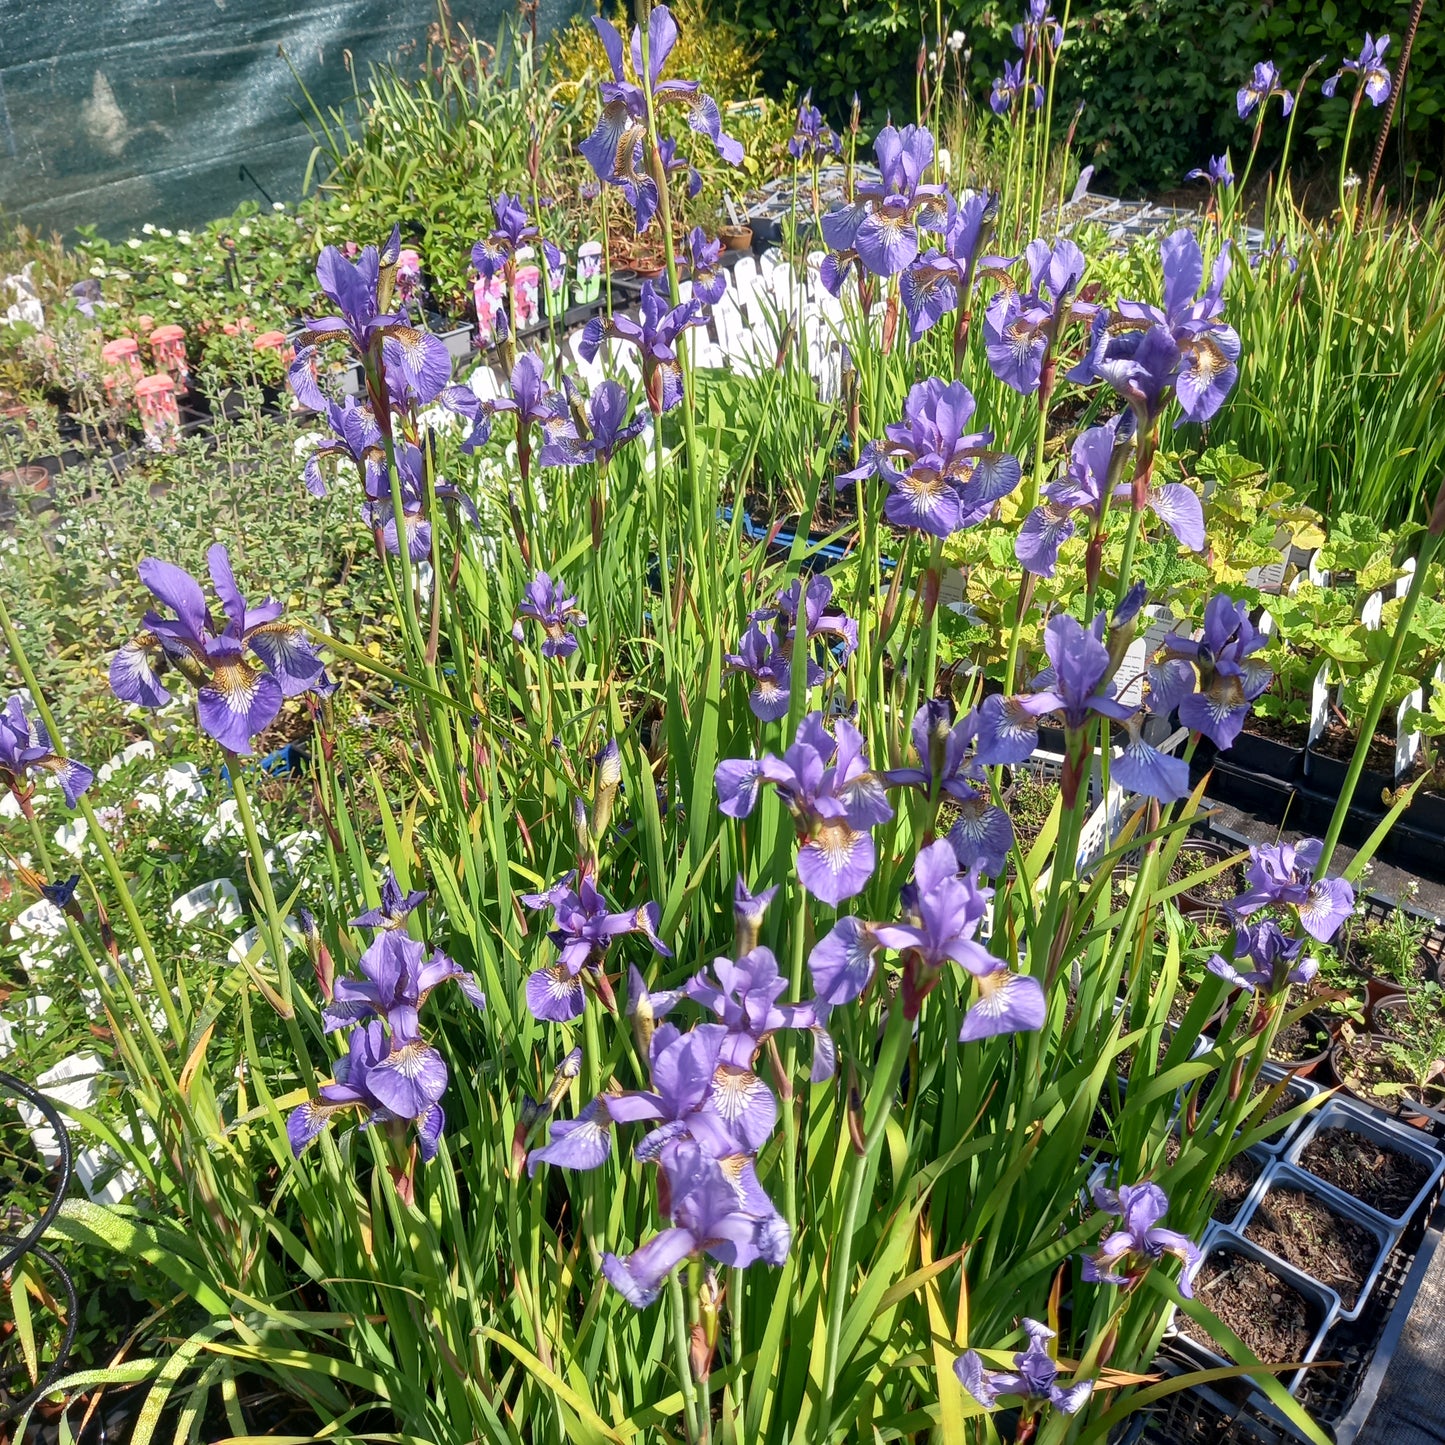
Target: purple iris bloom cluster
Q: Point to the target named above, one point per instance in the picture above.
(1009, 87)
(1033, 1379)
(1211, 680)
(1263, 958)
(835, 799)
(1147, 353)
(1370, 67)
(813, 139)
(1038, 28)
(766, 651)
(940, 279)
(615, 149)
(355, 437)
(880, 231)
(415, 362)
(941, 477)
(1282, 877)
(547, 603)
(242, 672)
(379, 512)
(1094, 460)
(708, 279)
(602, 431)
(1263, 83)
(1140, 1238)
(1020, 328)
(584, 923)
(1217, 173)
(389, 1071)
(654, 334)
(533, 402)
(948, 767)
(25, 747)
(1079, 684)
(514, 229)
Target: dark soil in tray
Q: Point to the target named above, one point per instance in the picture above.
(1030, 803)
(1230, 1187)
(1305, 1232)
(1362, 1065)
(1277, 730)
(1219, 889)
(1338, 741)
(1275, 1321)
(1378, 1176)
(1303, 1039)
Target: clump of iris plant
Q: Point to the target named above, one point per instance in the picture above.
(242, 670)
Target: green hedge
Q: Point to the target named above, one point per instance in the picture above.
(1158, 76)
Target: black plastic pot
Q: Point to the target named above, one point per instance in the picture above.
(1327, 776)
(1205, 853)
(1267, 756)
(1251, 792)
(1426, 814)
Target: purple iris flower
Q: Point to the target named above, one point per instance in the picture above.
(1008, 87)
(744, 994)
(942, 913)
(1034, 1376)
(25, 747)
(615, 147)
(1139, 1208)
(1283, 876)
(546, 602)
(583, 924)
(1211, 680)
(608, 431)
(673, 164)
(770, 669)
(983, 833)
(1265, 945)
(396, 978)
(361, 292)
(820, 617)
(237, 696)
(708, 280)
(1185, 349)
(685, 1074)
(534, 402)
(1370, 67)
(1217, 173)
(661, 324)
(833, 796)
(1020, 329)
(1081, 490)
(395, 906)
(812, 139)
(841, 965)
(388, 1077)
(87, 295)
(941, 278)
(1038, 25)
(882, 226)
(354, 435)
(713, 1210)
(941, 477)
(514, 230)
(379, 512)
(1257, 90)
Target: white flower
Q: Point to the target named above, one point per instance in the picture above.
(180, 278)
(98, 269)
(184, 237)
(945, 161)
(956, 41)
(346, 208)
(110, 818)
(120, 275)
(135, 243)
(278, 205)
(246, 288)
(166, 233)
(244, 231)
(151, 260)
(148, 229)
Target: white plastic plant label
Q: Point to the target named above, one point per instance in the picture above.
(1320, 702)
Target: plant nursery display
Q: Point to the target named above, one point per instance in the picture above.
(598, 856)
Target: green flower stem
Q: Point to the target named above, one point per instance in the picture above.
(102, 841)
(274, 929)
(1428, 546)
(877, 1111)
(1349, 135)
(677, 1307)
